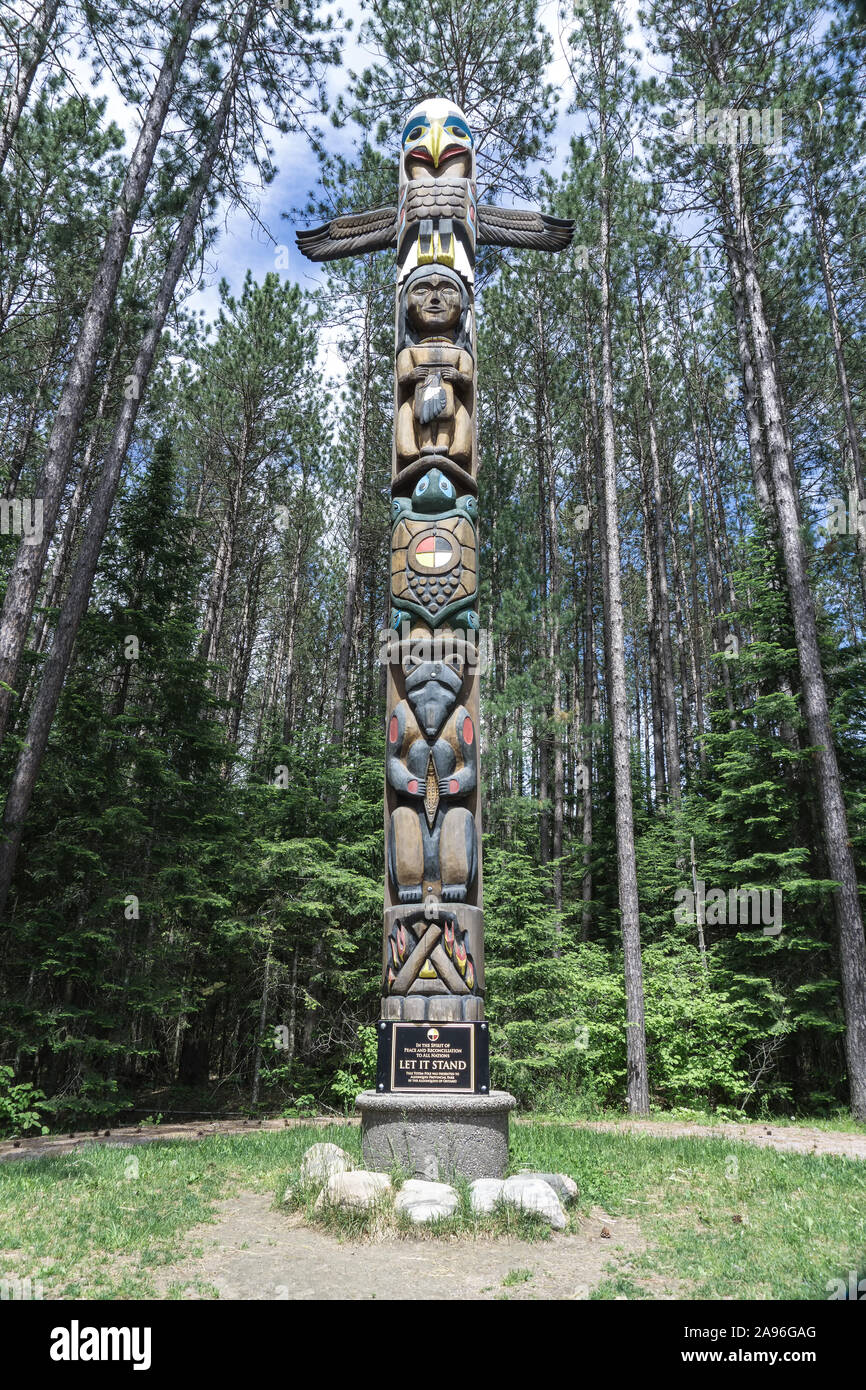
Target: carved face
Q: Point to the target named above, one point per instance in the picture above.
(437, 137)
(432, 689)
(434, 305)
(433, 493)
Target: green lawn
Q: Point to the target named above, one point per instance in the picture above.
(726, 1219)
(722, 1219)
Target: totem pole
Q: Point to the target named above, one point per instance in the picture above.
(433, 956)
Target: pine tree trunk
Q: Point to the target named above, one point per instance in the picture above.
(549, 733)
(31, 58)
(225, 558)
(589, 698)
(289, 711)
(834, 820)
(666, 672)
(691, 624)
(638, 1081)
(699, 909)
(856, 456)
(757, 452)
(24, 580)
(293, 1008)
(93, 533)
(598, 483)
(19, 454)
(653, 643)
(586, 730)
(719, 520)
(347, 636)
(59, 564)
(269, 685)
(263, 1018)
(715, 568)
(243, 650)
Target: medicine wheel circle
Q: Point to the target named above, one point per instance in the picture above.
(433, 552)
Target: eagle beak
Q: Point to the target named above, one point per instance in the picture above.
(435, 141)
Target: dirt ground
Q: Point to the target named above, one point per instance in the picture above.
(799, 1139)
(47, 1146)
(257, 1252)
(254, 1251)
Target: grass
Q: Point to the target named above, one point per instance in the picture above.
(97, 1223)
(720, 1219)
(727, 1220)
(839, 1122)
(516, 1276)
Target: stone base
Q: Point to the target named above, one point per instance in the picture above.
(436, 1136)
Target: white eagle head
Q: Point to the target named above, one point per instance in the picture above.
(437, 141)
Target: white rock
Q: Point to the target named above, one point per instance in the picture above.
(533, 1194)
(426, 1201)
(356, 1189)
(484, 1193)
(322, 1161)
(564, 1186)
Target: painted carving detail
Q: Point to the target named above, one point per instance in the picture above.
(434, 554)
(435, 369)
(432, 763)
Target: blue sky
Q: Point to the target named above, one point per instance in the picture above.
(269, 244)
(245, 245)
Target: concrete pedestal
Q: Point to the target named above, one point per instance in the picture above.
(436, 1136)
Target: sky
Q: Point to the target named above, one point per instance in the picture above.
(269, 243)
(245, 245)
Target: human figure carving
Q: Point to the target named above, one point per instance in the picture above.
(435, 371)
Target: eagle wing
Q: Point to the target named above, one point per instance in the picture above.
(350, 235)
(515, 227)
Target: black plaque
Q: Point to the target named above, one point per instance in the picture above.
(433, 1057)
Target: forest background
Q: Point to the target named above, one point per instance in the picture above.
(194, 551)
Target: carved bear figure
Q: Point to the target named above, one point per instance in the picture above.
(432, 762)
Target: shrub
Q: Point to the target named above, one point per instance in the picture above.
(20, 1106)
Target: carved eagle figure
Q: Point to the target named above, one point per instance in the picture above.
(436, 191)
(360, 232)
